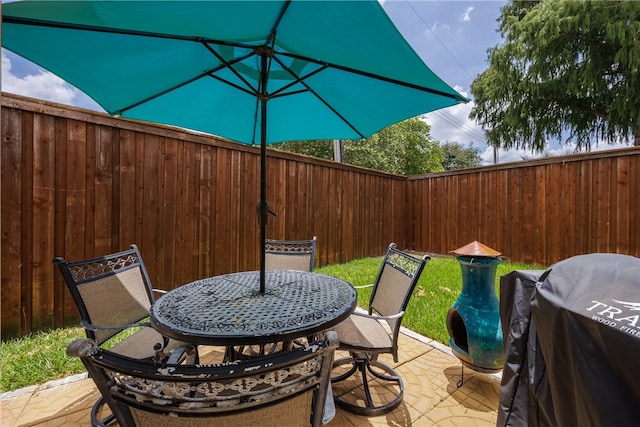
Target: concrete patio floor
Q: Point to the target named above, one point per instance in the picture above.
(429, 370)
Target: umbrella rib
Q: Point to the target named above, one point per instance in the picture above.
(276, 24)
(229, 65)
(208, 73)
(299, 79)
(234, 85)
(157, 95)
(370, 75)
(309, 89)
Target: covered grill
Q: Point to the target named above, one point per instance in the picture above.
(573, 331)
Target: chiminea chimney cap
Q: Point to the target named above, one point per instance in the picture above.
(476, 248)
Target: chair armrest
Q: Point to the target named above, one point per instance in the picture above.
(364, 286)
(377, 317)
(82, 347)
(159, 291)
(95, 328)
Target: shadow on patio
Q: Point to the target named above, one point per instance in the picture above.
(429, 370)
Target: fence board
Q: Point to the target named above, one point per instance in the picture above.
(621, 188)
(43, 220)
(541, 179)
(221, 220)
(168, 212)
(11, 222)
(125, 182)
(77, 184)
(26, 217)
(567, 223)
(62, 297)
(554, 219)
(89, 192)
(276, 196)
(249, 233)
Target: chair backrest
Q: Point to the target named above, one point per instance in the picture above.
(287, 388)
(109, 291)
(394, 285)
(290, 254)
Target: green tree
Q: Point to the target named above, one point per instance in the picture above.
(405, 148)
(564, 68)
(320, 148)
(457, 156)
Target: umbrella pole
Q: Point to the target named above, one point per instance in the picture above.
(264, 205)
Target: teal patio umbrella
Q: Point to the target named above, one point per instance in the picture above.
(254, 72)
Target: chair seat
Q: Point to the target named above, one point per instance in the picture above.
(140, 345)
(359, 333)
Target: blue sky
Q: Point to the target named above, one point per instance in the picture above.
(452, 37)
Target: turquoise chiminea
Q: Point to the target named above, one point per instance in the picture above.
(473, 321)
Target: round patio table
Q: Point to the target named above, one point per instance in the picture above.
(229, 310)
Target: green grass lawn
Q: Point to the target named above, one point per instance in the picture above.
(41, 357)
(38, 358)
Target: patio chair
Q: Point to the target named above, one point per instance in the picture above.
(290, 254)
(279, 255)
(288, 388)
(113, 294)
(367, 335)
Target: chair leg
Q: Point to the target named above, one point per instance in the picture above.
(366, 365)
(97, 408)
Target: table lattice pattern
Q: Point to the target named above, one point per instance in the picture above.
(230, 306)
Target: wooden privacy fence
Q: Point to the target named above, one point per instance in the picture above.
(80, 184)
(538, 212)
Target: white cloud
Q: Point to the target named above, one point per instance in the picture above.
(43, 85)
(437, 27)
(466, 16)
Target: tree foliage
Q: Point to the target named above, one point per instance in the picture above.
(405, 148)
(457, 156)
(564, 68)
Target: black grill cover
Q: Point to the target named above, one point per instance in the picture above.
(572, 344)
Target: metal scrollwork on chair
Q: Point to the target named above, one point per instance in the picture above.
(290, 254)
(143, 393)
(103, 266)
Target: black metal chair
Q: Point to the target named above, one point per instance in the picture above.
(365, 336)
(279, 255)
(288, 388)
(290, 254)
(113, 294)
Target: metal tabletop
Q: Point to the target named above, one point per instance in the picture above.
(229, 309)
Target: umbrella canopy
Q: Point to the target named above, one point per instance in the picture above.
(254, 72)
